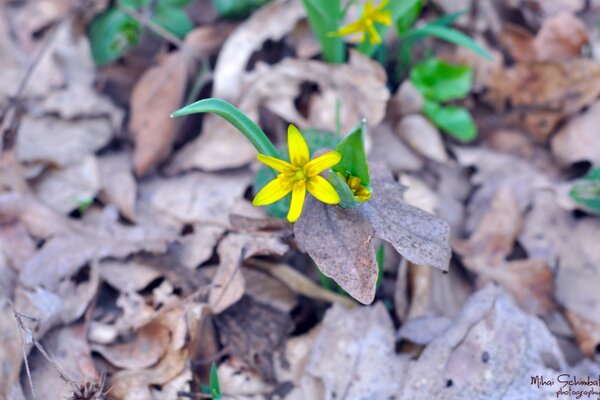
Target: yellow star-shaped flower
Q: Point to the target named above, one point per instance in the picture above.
(298, 176)
(364, 25)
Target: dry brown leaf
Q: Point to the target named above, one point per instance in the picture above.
(407, 99)
(359, 85)
(63, 255)
(11, 354)
(198, 247)
(118, 184)
(389, 149)
(63, 188)
(16, 246)
(485, 355)
(570, 245)
(253, 332)
(197, 197)
(142, 351)
(157, 94)
(561, 38)
(578, 139)
(422, 330)
(127, 275)
(339, 240)
(530, 281)
(423, 137)
(269, 291)
(353, 354)
(228, 282)
(544, 94)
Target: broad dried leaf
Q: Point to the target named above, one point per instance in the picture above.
(339, 240)
(485, 354)
(544, 94)
(353, 354)
(228, 282)
(118, 184)
(197, 197)
(423, 137)
(578, 139)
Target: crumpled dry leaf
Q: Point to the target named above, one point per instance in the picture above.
(577, 140)
(197, 197)
(542, 95)
(144, 350)
(530, 281)
(485, 354)
(253, 332)
(556, 235)
(339, 240)
(353, 354)
(423, 137)
(561, 38)
(63, 189)
(80, 242)
(118, 184)
(228, 284)
(359, 85)
(11, 354)
(389, 149)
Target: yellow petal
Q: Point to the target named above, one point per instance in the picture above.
(321, 163)
(273, 191)
(275, 163)
(297, 146)
(373, 34)
(383, 17)
(354, 27)
(298, 194)
(369, 8)
(322, 190)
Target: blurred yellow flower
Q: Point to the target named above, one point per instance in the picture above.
(364, 25)
(298, 176)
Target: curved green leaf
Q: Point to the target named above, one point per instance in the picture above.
(347, 199)
(354, 157)
(236, 118)
(440, 81)
(457, 121)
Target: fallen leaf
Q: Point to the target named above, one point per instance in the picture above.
(158, 92)
(11, 354)
(198, 247)
(422, 330)
(63, 189)
(542, 95)
(197, 197)
(389, 149)
(228, 284)
(485, 354)
(353, 354)
(142, 351)
(118, 184)
(423, 137)
(561, 38)
(268, 290)
(485, 253)
(339, 240)
(577, 139)
(127, 276)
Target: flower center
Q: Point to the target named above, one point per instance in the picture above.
(297, 174)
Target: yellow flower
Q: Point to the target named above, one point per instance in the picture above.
(364, 25)
(298, 176)
(361, 193)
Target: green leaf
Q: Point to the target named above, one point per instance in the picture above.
(380, 257)
(399, 9)
(135, 4)
(236, 118)
(457, 121)
(347, 199)
(408, 19)
(173, 19)
(111, 34)
(440, 81)
(448, 19)
(586, 191)
(324, 18)
(448, 34)
(174, 3)
(215, 388)
(354, 157)
(237, 9)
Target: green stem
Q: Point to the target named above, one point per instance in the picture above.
(236, 118)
